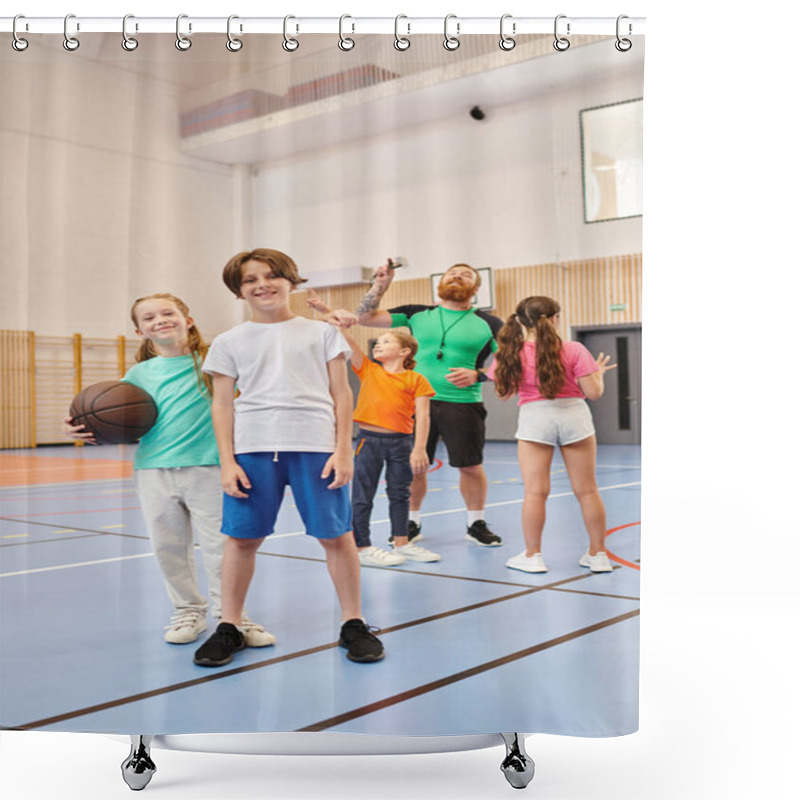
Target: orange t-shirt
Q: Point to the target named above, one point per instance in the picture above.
(387, 399)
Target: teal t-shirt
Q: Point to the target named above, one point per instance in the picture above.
(183, 435)
(469, 339)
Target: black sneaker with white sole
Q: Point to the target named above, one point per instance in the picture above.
(219, 648)
(361, 644)
(414, 532)
(479, 533)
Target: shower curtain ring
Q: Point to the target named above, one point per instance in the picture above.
(507, 42)
(289, 44)
(233, 44)
(623, 45)
(129, 43)
(18, 43)
(401, 42)
(560, 43)
(345, 42)
(181, 42)
(71, 43)
(451, 42)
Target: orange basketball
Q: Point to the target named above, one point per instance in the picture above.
(114, 411)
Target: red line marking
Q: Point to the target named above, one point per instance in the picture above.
(437, 464)
(616, 558)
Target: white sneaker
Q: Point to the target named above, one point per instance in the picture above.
(413, 552)
(596, 563)
(534, 563)
(375, 557)
(256, 635)
(185, 627)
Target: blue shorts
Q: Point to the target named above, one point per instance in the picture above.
(325, 512)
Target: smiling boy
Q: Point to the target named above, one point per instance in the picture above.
(290, 425)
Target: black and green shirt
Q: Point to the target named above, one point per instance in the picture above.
(464, 338)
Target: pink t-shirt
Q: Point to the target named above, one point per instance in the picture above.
(577, 361)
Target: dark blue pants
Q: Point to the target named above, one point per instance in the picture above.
(373, 451)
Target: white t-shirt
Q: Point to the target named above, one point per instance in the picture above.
(281, 372)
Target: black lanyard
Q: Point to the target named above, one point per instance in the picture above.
(450, 327)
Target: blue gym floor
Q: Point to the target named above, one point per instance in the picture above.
(472, 647)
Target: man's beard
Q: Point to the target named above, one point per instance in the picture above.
(455, 292)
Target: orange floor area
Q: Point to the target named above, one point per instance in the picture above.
(21, 470)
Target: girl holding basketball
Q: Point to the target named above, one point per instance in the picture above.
(176, 465)
(551, 379)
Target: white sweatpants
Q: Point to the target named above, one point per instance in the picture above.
(181, 505)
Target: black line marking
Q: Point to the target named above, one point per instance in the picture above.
(460, 676)
(66, 538)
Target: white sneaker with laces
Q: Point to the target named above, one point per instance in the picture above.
(185, 627)
(413, 552)
(375, 557)
(596, 563)
(256, 635)
(534, 563)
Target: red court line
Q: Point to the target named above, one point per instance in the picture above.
(437, 464)
(617, 558)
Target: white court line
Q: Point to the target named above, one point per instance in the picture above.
(303, 533)
(70, 566)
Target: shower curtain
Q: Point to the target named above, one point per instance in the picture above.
(133, 171)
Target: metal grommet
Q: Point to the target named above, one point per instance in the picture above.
(345, 42)
(623, 45)
(233, 44)
(289, 44)
(400, 42)
(181, 42)
(129, 43)
(451, 42)
(70, 42)
(506, 42)
(18, 43)
(561, 43)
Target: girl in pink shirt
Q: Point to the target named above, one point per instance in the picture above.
(551, 379)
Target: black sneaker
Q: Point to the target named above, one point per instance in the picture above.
(414, 532)
(479, 533)
(360, 643)
(219, 648)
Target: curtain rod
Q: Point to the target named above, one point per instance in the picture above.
(455, 25)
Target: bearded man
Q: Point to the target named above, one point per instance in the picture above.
(455, 339)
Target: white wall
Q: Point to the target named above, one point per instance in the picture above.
(505, 191)
(98, 206)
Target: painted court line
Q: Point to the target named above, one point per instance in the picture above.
(72, 566)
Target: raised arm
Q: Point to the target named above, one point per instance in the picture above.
(368, 312)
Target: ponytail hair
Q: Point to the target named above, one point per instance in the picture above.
(196, 345)
(533, 313)
(406, 341)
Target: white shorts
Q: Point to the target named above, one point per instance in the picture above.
(555, 422)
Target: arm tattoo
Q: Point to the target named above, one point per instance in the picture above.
(370, 301)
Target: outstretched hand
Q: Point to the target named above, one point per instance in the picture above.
(602, 363)
(77, 431)
(341, 318)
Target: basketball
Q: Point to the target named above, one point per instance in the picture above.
(114, 411)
